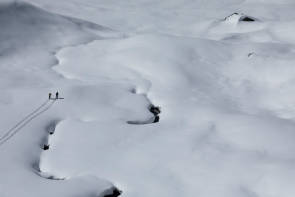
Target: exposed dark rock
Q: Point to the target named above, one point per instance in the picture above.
(46, 147)
(115, 192)
(51, 126)
(157, 119)
(247, 19)
(226, 18)
(250, 54)
(240, 17)
(155, 110)
(54, 178)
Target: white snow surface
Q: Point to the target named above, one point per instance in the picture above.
(225, 88)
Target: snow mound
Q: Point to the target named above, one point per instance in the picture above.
(240, 27)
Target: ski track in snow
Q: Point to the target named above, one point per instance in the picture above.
(6, 133)
(17, 128)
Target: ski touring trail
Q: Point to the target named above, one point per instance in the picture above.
(27, 119)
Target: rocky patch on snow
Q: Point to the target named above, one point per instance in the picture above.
(239, 17)
(155, 110)
(111, 192)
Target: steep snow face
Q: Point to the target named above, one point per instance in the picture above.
(26, 26)
(28, 31)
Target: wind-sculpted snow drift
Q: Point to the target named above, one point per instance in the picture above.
(224, 83)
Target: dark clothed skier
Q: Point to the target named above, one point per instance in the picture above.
(49, 96)
(56, 95)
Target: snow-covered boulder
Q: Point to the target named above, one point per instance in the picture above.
(235, 18)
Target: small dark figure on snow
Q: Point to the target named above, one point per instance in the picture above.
(56, 95)
(49, 96)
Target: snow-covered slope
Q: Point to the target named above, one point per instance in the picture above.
(213, 106)
(29, 38)
(27, 31)
(220, 71)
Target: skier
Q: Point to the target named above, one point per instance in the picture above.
(56, 95)
(49, 96)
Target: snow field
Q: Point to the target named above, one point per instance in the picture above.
(225, 88)
(196, 129)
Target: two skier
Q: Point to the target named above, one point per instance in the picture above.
(56, 95)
